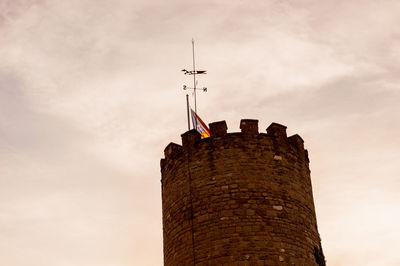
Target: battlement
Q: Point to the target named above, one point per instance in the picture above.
(276, 137)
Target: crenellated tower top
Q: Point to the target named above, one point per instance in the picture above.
(276, 134)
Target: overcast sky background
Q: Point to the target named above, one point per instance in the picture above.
(91, 93)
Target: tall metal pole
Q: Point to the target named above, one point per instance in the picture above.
(187, 109)
(194, 78)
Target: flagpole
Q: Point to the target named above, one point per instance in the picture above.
(187, 109)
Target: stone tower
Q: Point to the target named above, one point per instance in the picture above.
(239, 199)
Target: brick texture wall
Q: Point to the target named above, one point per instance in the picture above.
(239, 199)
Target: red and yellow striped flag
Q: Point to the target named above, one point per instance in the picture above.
(199, 125)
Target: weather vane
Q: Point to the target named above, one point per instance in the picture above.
(194, 72)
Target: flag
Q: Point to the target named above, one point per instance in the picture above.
(199, 125)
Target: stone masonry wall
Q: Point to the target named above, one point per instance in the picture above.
(238, 199)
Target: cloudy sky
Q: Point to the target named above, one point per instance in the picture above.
(91, 93)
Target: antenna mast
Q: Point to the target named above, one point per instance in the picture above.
(194, 77)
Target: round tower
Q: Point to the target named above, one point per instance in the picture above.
(239, 199)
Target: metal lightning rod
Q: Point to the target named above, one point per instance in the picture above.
(194, 72)
(194, 77)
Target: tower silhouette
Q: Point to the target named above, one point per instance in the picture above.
(239, 199)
